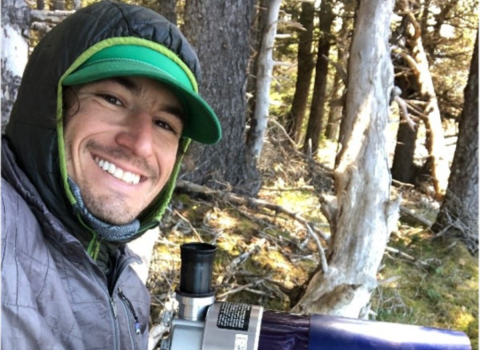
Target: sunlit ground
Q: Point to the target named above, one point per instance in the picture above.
(439, 288)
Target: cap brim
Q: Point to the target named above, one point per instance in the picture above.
(202, 124)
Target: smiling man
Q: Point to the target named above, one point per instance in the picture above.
(105, 112)
(121, 140)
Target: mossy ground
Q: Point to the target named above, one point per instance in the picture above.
(438, 288)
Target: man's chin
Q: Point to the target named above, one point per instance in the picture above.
(111, 215)
(118, 220)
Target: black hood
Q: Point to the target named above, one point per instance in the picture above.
(32, 129)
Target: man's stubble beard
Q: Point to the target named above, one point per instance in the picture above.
(110, 208)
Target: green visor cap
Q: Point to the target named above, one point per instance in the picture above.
(202, 124)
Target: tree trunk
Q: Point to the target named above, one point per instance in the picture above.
(403, 167)
(362, 178)
(315, 120)
(264, 78)
(77, 4)
(58, 5)
(257, 28)
(304, 73)
(15, 28)
(336, 109)
(168, 9)
(435, 142)
(219, 30)
(433, 38)
(337, 101)
(458, 216)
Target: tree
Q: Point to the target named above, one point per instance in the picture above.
(219, 31)
(403, 166)
(342, 43)
(167, 8)
(458, 215)
(364, 213)
(317, 109)
(15, 24)
(304, 73)
(417, 61)
(58, 5)
(264, 77)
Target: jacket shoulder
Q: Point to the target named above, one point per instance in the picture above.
(19, 225)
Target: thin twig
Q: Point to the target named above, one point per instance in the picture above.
(404, 108)
(396, 251)
(321, 252)
(241, 200)
(238, 289)
(197, 235)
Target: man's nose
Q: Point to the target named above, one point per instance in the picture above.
(137, 134)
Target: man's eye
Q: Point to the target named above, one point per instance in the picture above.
(112, 100)
(164, 125)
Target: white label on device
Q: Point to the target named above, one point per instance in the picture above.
(241, 341)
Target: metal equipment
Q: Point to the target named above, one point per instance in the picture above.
(203, 324)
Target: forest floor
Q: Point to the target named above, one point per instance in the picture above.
(265, 256)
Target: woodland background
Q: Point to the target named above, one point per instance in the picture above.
(347, 179)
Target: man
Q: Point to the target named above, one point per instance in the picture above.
(106, 109)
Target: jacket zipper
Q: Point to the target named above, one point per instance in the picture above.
(130, 313)
(113, 309)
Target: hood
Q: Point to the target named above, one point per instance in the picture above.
(35, 129)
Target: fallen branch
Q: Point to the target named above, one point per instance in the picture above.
(403, 107)
(313, 231)
(399, 252)
(53, 17)
(306, 158)
(239, 260)
(156, 333)
(415, 217)
(247, 201)
(388, 280)
(321, 251)
(238, 289)
(245, 255)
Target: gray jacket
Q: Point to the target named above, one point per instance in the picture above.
(54, 296)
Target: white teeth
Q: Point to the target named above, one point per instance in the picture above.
(118, 173)
(111, 168)
(123, 175)
(127, 177)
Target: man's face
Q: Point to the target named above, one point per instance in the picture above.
(121, 141)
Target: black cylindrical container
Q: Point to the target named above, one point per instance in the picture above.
(196, 270)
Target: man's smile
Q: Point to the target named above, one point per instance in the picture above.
(117, 172)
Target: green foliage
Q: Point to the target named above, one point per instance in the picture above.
(439, 289)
